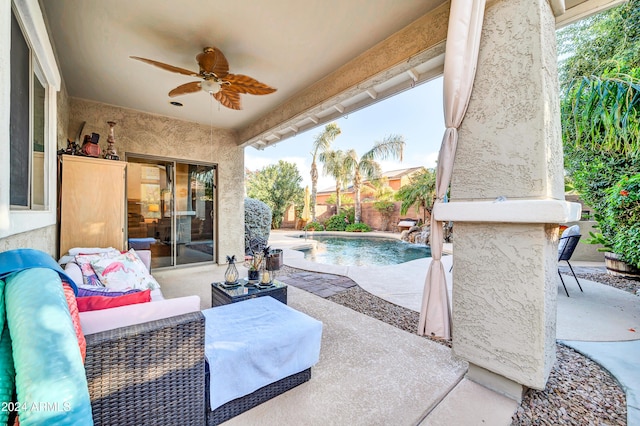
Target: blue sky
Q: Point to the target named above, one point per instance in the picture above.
(415, 114)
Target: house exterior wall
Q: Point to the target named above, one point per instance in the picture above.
(43, 239)
(141, 133)
(396, 184)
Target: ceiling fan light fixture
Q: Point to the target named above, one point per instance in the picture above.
(225, 87)
(210, 86)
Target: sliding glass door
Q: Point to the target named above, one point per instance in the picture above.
(171, 210)
(194, 212)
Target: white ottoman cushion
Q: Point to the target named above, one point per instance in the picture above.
(256, 342)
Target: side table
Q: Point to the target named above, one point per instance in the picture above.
(222, 295)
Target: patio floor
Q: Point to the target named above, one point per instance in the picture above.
(372, 373)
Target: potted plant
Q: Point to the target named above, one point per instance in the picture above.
(253, 264)
(620, 224)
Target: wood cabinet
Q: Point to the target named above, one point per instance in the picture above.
(92, 209)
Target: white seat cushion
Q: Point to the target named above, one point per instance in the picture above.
(124, 316)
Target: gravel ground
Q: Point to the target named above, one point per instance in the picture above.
(579, 391)
(620, 283)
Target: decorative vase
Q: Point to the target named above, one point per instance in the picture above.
(110, 153)
(616, 266)
(231, 274)
(274, 260)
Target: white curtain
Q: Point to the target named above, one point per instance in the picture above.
(461, 58)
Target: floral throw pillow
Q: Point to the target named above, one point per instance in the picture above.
(124, 272)
(89, 277)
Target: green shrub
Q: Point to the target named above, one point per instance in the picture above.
(621, 217)
(313, 226)
(337, 222)
(358, 227)
(257, 217)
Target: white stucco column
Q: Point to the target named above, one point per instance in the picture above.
(507, 200)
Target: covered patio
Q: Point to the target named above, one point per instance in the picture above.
(327, 60)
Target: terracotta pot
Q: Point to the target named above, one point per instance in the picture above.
(616, 266)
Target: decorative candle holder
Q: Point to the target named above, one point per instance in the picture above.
(110, 153)
(267, 276)
(231, 274)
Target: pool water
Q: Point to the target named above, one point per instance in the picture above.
(363, 251)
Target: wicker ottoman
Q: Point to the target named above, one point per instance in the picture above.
(255, 350)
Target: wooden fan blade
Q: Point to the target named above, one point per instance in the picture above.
(229, 99)
(167, 67)
(245, 84)
(183, 89)
(211, 60)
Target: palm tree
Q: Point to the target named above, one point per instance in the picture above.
(367, 167)
(336, 166)
(321, 144)
(420, 192)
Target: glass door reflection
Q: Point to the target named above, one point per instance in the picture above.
(170, 210)
(195, 185)
(149, 209)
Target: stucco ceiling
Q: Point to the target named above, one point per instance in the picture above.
(286, 44)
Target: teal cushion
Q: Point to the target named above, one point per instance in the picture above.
(50, 375)
(17, 260)
(7, 371)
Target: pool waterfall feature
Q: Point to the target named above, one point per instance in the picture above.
(417, 235)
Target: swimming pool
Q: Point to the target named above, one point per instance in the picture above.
(363, 251)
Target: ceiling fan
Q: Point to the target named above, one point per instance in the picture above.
(226, 88)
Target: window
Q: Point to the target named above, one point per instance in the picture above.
(28, 136)
(27, 125)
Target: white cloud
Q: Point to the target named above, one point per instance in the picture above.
(431, 160)
(254, 163)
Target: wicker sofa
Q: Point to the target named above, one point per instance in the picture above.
(155, 373)
(148, 374)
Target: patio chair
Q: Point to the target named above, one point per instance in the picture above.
(566, 246)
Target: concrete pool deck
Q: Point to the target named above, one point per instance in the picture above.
(600, 313)
(407, 278)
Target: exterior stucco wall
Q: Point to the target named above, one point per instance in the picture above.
(142, 133)
(43, 239)
(510, 138)
(498, 324)
(505, 276)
